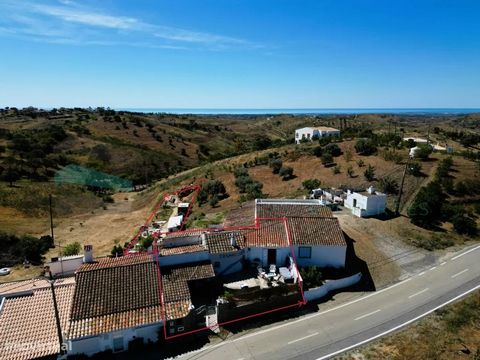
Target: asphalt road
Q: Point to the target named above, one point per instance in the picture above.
(324, 334)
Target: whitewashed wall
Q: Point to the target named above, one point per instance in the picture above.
(323, 256)
(94, 344)
(331, 285)
(184, 258)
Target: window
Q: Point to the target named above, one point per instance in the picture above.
(118, 344)
(304, 252)
(216, 264)
(297, 135)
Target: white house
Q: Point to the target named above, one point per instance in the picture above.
(310, 133)
(366, 203)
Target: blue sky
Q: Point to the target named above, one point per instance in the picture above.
(240, 53)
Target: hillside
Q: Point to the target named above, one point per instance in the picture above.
(196, 149)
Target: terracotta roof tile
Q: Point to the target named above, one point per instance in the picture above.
(288, 210)
(220, 242)
(27, 323)
(114, 322)
(107, 290)
(270, 233)
(316, 231)
(176, 292)
(107, 262)
(31, 284)
(167, 251)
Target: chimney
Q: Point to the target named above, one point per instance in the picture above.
(88, 254)
(233, 242)
(371, 190)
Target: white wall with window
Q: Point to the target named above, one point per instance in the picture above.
(322, 256)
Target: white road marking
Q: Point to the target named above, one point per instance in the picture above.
(399, 326)
(423, 272)
(418, 293)
(460, 273)
(288, 323)
(443, 263)
(316, 314)
(433, 268)
(466, 252)
(364, 316)
(302, 338)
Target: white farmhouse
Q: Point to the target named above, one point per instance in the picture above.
(366, 203)
(309, 133)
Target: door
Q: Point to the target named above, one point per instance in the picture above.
(272, 256)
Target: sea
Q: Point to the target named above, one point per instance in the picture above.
(305, 111)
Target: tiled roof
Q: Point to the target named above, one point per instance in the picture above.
(27, 323)
(270, 233)
(316, 231)
(31, 284)
(220, 242)
(107, 262)
(176, 293)
(115, 294)
(183, 233)
(166, 251)
(114, 322)
(107, 290)
(290, 210)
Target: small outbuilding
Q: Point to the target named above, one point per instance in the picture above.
(366, 203)
(311, 133)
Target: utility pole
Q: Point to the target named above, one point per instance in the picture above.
(57, 316)
(399, 198)
(51, 230)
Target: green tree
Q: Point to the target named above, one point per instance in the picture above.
(369, 173)
(464, 225)
(426, 208)
(286, 172)
(10, 175)
(311, 184)
(72, 249)
(414, 168)
(365, 146)
(276, 165)
(388, 185)
(327, 158)
(333, 149)
(423, 151)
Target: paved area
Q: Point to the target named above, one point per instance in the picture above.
(332, 331)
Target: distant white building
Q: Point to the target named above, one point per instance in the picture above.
(366, 203)
(309, 133)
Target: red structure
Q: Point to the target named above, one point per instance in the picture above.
(185, 191)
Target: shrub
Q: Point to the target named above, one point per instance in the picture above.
(117, 250)
(317, 151)
(414, 169)
(369, 173)
(423, 151)
(350, 171)
(72, 249)
(333, 149)
(336, 169)
(312, 277)
(388, 185)
(464, 225)
(311, 184)
(286, 172)
(327, 158)
(348, 156)
(391, 155)
(213, 201)
(427, 205)
(433, 243)
(240, 171)
(360, 163)
(365, 147)
(276, 165)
